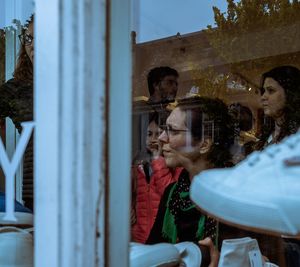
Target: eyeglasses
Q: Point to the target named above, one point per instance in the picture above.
(170, 131)
(169, 82)
(26, 39)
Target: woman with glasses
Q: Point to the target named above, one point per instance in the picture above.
(150, 178)
(16, 102)
(197, 137)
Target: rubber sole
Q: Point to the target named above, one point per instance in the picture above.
(251, 217)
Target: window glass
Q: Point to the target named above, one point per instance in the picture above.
(2, 74)
(16, 107)
(14, 18)
(216, 83)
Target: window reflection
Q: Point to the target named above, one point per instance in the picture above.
(17, 103)
(16, 107)
(249, 58)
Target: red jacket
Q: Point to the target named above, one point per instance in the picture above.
(148, 196)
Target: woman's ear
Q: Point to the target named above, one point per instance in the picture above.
(205, 145)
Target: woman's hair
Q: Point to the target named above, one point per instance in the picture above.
(242, 115)
(24, 68)
(158, 117)
(210, 117)
(288, 78)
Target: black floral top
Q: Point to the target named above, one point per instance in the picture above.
(16, 102)
(187, 216)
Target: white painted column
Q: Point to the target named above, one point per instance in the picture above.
(82, 167)
(120, 101)
(47, 115)
(70, 140)
(16, 13)
(10, 63)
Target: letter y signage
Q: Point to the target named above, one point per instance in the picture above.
(10, 168)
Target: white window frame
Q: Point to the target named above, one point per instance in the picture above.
(83, 132)
(13, 10)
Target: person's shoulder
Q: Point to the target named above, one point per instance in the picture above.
(12, 82)
(10, 87)
(13, 86)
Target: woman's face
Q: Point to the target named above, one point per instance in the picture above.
(153, 132)
(273, 99)
(177, 139)
(29, 47)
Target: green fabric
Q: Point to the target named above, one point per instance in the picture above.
(201, 224)
(169, 229)
(217, 236)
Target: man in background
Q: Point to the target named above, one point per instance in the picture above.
(162, 85)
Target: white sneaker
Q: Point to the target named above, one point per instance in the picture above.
(260, 193)
(16, 247)
(190, 254)
(241, 252)
(157, 255)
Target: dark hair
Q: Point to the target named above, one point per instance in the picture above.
(289, 79)
(24, 68)
(153, 116)
(157, 74)
(159, 117)
(242, 115)
(211, 117)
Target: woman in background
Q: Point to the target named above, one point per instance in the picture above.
(151, 176)
(16, 102)
(280, 97)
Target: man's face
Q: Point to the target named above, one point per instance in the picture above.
(167, 88)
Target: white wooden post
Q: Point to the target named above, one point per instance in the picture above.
(15, 14)
(10, 60)
(69, 112)
(47, 199)
(120, 101)
(82, 133)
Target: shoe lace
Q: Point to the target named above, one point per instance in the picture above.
(273, 150)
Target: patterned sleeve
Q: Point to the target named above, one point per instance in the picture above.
(7, 94)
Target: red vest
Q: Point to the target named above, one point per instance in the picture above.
(148, 196)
